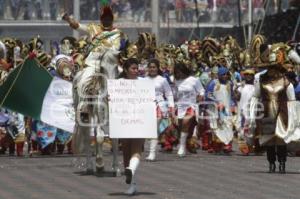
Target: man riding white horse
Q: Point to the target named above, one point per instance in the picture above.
(105, 41)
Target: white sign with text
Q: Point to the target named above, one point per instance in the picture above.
(132, 109)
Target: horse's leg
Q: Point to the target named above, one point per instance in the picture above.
(86, 144)
(115, 165)
(100, 117)
(99, 149)
(89, 151)
(81, 144)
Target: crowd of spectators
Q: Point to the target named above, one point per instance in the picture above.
(140, 11)
(34, 9)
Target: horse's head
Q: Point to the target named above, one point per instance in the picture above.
(110, 56)
(108, 61)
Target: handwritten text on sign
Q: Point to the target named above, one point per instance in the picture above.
(132, 110)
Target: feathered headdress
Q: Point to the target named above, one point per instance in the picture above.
(106, 9)
(104, 2)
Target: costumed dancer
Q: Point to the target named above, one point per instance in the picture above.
(7, 46)
(206, 135)
(279, 124)
(277, 120)
(4, 64)
(188, 92)
(35, 48)
(221, 120)
(164, 100)
(20, 138)
(64, 69)
(6, 139)
(243, 94)
(15, 132)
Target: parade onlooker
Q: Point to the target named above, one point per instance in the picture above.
(2, 8)
(163, 7)
(179, 7)
(137, 8)
(189, 10)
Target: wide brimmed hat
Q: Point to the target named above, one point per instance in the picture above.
(248, 71)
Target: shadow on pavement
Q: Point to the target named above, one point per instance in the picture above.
(137, 194)
(266, 172)
(93, 173)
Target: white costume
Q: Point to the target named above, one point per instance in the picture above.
(246, 92)
(163, 93)
(164, 99)
(186, 92)
(288, 133)
(221, 123)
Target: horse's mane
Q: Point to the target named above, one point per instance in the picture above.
(89, 82)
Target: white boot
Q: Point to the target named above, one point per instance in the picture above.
(130, 171)
(152, 151)
(182, 145)
(132, 189)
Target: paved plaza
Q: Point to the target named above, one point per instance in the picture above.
(196, 176)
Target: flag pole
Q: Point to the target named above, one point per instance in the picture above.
(76, 13)
(155, 18)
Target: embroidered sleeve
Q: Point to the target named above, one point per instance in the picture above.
(199, 88)
(290, 92)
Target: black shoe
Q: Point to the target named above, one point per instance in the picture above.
(2, 151)
(128, 174)
(193, 151)
(282, 167)
(272, 168)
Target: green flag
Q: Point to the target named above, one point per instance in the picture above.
(32, 91)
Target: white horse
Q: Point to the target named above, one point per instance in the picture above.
(90, 101)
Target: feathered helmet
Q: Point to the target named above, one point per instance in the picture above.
(43, 58)
(146, 44)
(194, 47)
(165, 53)
(248, 71)
(106, 11)
(64, 65)
(81, 44)
(35, 44)
(10, 44)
